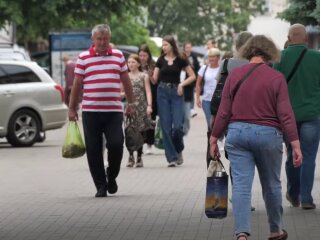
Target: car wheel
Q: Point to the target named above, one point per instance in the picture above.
(41, 137)
(23, 129)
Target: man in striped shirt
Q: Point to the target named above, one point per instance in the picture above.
(100, 71)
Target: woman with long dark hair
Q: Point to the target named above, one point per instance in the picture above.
(148, 65)
(169, 98)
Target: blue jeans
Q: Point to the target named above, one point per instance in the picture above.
(207, 112)
(171, 114)
(186, 123)
(250, 145)
(300, 180)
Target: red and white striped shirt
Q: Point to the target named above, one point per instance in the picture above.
(101, 79)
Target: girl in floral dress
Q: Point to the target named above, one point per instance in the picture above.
(143, 103)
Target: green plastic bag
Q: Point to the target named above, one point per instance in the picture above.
(73, 145)
(158, 138)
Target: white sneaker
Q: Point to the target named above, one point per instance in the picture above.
(193, 113)
(149, 150)
(172, 164)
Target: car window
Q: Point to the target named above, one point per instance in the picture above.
(19, 74)
(4, 77)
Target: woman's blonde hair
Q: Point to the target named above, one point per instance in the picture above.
(213, 52)
(260, 45)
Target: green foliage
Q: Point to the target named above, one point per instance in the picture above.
(131, 32)
(192, 20)
(306, 12)
(126, 30)
(196, 20)
(316, 12)
(36, 18)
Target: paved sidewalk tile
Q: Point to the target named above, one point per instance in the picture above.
(46, 197)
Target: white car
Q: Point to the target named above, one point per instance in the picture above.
(13, 52)
(30, 103)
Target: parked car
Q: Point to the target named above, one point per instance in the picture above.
(42, 58)
(30, 103)
(13, 52)
(127, 50)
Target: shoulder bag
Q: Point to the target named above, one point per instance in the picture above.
(296, 65)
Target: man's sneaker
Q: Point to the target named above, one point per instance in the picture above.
(139, 163)
(149, 149)
(102, 192)
(112, 186)
(294, 203)
(180, 159)
(308, 206)
(130, 161)
(172, 164)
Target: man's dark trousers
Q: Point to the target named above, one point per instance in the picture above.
(95, 124)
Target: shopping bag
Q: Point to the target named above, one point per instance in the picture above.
(73, 145)
(134, 140)
(158, 137)
(216, 203)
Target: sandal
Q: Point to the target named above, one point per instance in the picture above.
(282, 236)
(242, 235)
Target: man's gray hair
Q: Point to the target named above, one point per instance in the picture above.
(101, 28)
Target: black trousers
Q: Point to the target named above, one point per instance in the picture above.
(95, 125)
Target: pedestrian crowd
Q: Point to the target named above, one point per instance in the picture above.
(257, 99)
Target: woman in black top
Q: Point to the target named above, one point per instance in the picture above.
(169, 98)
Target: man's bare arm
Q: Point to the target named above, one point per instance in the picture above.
(127, 86)
(74, 97)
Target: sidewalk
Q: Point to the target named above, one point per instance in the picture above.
(46, 197)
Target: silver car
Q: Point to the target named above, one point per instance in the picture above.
(30, 103)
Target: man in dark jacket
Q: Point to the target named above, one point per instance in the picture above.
(304, 92)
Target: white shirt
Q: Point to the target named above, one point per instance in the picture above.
(210, 81)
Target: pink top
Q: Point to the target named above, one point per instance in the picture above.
(262, 99)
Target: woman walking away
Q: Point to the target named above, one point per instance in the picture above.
(143, 103)
(169, 98)
(147, 66)
(255, 108)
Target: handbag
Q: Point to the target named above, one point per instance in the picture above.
(216, 202)
(158, 137)
(203, 81)
(134, 140)
(73, 145)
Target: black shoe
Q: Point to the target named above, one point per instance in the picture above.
(102, 192)
(294, 203)
(112, 186)
(180, 159)
(308, 206)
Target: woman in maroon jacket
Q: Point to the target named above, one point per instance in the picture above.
(256, 114)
